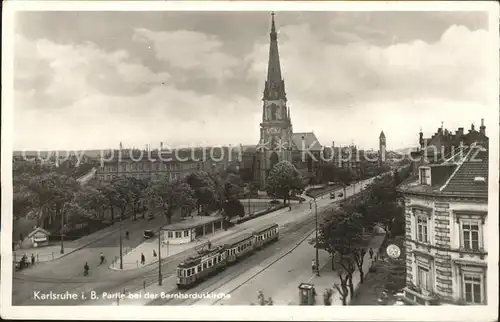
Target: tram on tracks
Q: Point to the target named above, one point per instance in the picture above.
(210, 261)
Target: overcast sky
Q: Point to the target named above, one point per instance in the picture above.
(93, 79)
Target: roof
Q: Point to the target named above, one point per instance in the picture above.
(38, 229)
(192, 222)
(266, 227)
(184, 155)
(197, 259)
(310, 141)
(238, 239)
(382, 135)
(464, 178)
(464, 174)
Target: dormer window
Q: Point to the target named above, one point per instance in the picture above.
(425, 175)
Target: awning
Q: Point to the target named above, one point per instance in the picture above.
(40, 239)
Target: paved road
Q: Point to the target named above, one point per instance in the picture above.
(66, 274)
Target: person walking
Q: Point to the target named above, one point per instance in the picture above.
(313, 265)
(32, 259)
(371, 253)
(143, 259)
(154, 253)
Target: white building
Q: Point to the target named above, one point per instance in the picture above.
(446, 223)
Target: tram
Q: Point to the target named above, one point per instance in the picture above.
(210, 261)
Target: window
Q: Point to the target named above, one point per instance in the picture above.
(425, 176)
(470, 233)
(199, 268)
(204, 265)
(178, 234)
(423, 278)
(422, 229)
(472, 288)
(186, 233)
(170, 234)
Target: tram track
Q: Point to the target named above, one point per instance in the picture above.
(288, 237)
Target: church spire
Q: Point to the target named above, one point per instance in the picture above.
(275, 87)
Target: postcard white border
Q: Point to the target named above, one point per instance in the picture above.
(316, 313)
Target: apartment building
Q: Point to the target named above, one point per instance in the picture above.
(446, 224)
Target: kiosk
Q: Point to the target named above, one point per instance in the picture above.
(306, 294)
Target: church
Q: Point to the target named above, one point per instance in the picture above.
(277, 141)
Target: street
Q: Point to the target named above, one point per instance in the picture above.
(66, 274)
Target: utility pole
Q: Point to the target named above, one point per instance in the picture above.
(160, 277)
(317, 249)
(62, 231)
(121, 215)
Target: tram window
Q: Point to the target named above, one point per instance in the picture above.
(216, 259)
(188, 272)
(204, 265)
(199, 268)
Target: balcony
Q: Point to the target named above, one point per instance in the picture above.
(416, 296)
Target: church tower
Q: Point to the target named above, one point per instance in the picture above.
(382, 148)
(276, 128)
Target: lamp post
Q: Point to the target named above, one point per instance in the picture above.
(62, 231)
(317, 250)
(160, 277)
(121, 215)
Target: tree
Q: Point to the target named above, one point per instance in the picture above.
(283, 181)
(342, 288)
(339, 232)
(124, 193)
(52, 192)
(110, 195)
(203, 187)
(173, 195)
(92, 200)
(383, 207)
(139, 196)
(233, 207)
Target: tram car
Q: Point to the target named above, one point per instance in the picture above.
(208, 262)
(197, 268)
(239, 247)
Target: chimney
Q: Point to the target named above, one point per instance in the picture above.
(440, 130)
(161, 146)
(482, 129)
(333, 144)
(472, 129)
(460, 131)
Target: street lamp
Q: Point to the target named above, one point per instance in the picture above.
(160, 277)
(62, 231)
(121, 215)
(317, 249)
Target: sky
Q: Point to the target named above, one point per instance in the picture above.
(89, 80)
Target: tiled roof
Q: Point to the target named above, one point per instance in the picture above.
(310, 141)
(464, 178)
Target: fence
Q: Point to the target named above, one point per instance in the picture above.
(39, 257)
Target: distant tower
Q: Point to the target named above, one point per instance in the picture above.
(381, 148)
(276, 126)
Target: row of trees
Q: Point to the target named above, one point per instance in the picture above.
(343, 233)
(54, 196)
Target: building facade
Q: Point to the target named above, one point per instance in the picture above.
(175, 164)
(446, 208)
(277, 141)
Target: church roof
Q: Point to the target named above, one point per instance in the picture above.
(275, 86)
(310, 141)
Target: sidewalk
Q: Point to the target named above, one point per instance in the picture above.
(132, 259)
(53, 251)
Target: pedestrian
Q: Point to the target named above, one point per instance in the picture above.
(143, 259)
(310, 205)
(127, 235)
(313, 265)
(32, 259)
(209, 245)
(154, 253)
(289, 207)
(371, 253)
